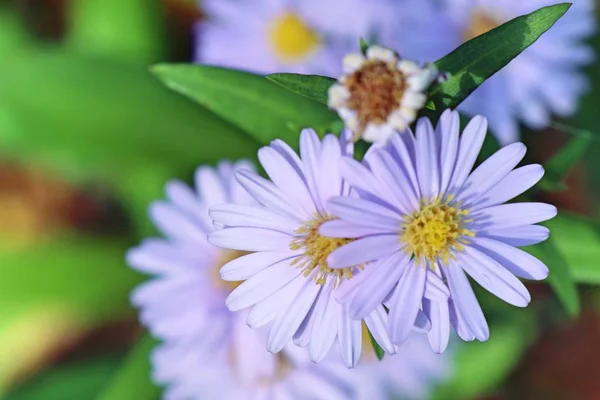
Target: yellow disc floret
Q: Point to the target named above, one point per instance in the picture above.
(291, 39)
(316, 250)
(435, 230)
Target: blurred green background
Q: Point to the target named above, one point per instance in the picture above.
(88, 137)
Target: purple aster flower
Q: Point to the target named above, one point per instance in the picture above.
(427, 219)
(288, 281)
(268, 36)
(545, 79)
(208, 352)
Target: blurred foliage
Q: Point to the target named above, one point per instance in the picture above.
(132, 30)
(85, 277)
(560, 278)
(53, 292)
(77, 380)
(578, 241)
(74, 108)
(480, 367)
(563, 162)
(70, 112)
(132, 380)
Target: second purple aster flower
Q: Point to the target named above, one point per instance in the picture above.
(423, 219)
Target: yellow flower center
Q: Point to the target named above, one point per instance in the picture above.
(435, 230)
(316, 250)
(481, 22)
(376, 89)
(291, 39)
(224, 257)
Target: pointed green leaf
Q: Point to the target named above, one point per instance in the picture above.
(478, 59)
(560, 277)
(559, 166)
(260, 107)
(132, 380)
(314, 87)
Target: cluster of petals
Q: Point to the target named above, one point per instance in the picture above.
(379, 94)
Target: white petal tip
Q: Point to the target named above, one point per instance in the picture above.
(408, 67)
(352, 62)
(378, 134)
(480, 121)
(337, 96)
(381, 53)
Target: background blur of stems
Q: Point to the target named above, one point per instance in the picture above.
(63, 284)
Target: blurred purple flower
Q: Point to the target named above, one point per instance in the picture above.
(544, 79)
(427, 219)
(267, 36)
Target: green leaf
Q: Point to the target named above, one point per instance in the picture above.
(578, 241)
(76, 380)
(260, 107)
(560, 277)
(132, 380)
(376, 347)
(478, 59)
(314, 87)
(480, 367)
(559, 166)
(95, 117)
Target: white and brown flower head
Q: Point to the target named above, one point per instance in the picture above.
(380, 94)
